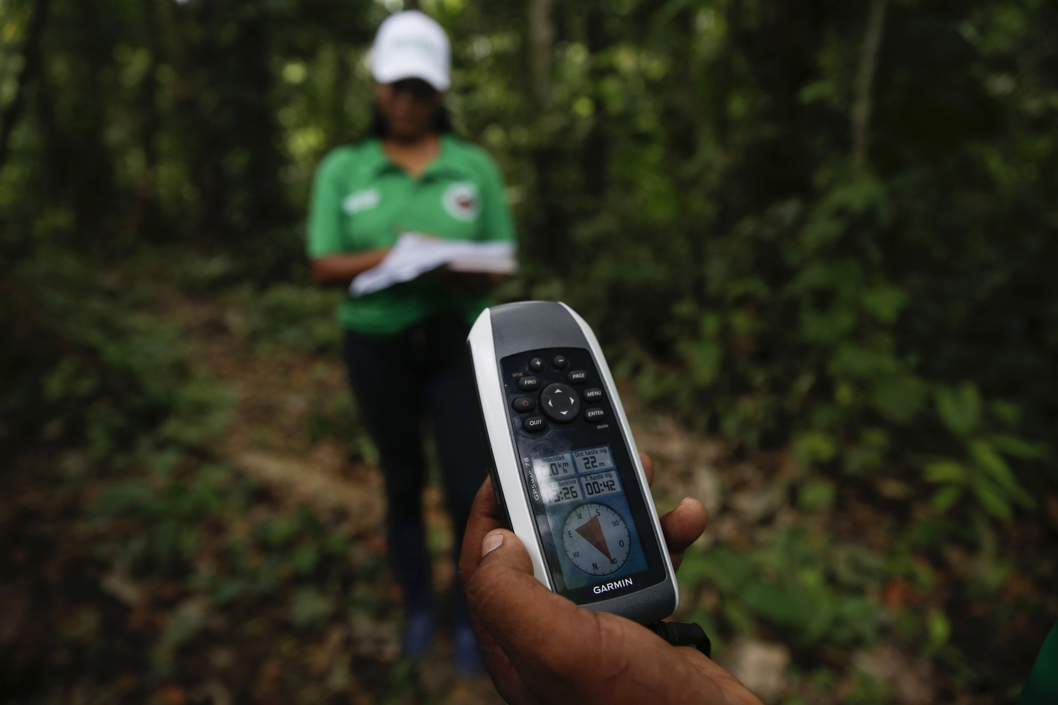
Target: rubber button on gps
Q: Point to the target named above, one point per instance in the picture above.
(560, 362)
(528, 383)
(577, 377)
(592, 394)
(560, 403)
(594, 415)
(523, 404)
(536, 365)
(534, 424)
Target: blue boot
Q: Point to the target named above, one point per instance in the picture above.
(466, 654)
(411, 563)
(418, 633)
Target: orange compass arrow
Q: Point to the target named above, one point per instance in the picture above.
(592, 533)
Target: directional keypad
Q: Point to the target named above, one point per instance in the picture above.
(560, 403)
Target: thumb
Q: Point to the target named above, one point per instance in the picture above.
(503, 585)
(504, 575)
(502, 548)
(515, 608)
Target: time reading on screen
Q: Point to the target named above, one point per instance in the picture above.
(562, 491)
(601, 483)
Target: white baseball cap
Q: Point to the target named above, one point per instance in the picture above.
(410, 44)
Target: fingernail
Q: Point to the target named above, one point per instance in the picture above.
(491, 543)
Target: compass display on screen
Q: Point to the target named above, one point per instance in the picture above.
(596, 539)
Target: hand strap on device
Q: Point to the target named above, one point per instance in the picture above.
(682, 634)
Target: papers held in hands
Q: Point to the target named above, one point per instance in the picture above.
(416, 254)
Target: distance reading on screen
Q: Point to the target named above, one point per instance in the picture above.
(576, 475)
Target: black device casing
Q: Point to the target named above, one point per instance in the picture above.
(513, 329)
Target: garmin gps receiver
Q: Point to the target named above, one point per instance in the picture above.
(563, 462)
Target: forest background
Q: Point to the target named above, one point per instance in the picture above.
(816, 238)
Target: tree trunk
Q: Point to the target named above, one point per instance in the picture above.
(549, 238)
(861, 109)
(146, 216)
(338, 124)
(542, 43)
(724, 72)
(595, 149)
(30, 68)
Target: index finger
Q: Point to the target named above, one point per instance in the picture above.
(648, 467)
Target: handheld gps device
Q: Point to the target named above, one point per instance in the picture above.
(563, 463)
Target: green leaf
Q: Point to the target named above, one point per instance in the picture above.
(990, 462)
(815, 495)
(899, 397)
(727, 568)
(861, 362)
(704, 360)
(939, 628)
(959, 408)
(948, 471)
(946, 497)
(1018, 447)
(991, 498)
(815, 446)
(305, 559)
(884, 302)
(781, 605)
(1007, 412)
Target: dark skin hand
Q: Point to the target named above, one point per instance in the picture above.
(342, 269)
(541, 649)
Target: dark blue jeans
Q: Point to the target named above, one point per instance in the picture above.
(398, 381)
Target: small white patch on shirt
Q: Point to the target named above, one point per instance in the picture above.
(361, 200)
(462, 201)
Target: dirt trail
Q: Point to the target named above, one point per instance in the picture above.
(267, 438)
(276, 391)
(267, 435)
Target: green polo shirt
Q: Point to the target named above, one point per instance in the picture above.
(362, 201)
(1042, 686)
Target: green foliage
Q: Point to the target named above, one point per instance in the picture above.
(981, 470)
(809, 590)
(295, 317)
(691, 159)
(771, 289)
(868, 690)
(88, 362)
(165, 522)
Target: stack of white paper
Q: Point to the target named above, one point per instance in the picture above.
(416, 254)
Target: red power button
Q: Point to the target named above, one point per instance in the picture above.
(523, 404)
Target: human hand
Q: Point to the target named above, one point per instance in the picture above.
(540, 648)
(344, 267)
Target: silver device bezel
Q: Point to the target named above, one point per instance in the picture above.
(501, 442)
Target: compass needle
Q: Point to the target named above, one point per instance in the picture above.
(592, 533)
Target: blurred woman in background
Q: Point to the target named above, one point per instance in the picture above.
(404, 345)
